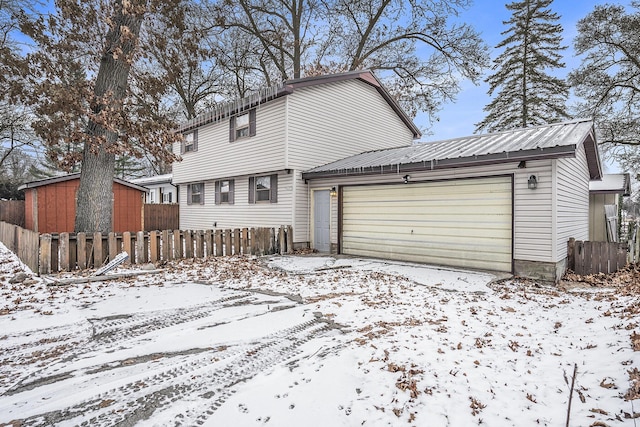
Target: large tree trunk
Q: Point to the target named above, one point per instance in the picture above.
(94, 204)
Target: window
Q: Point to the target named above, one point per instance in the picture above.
(190, 142)
(195, 194)
(242, 125)
(224, 191)
(167, 197)
(263, 189)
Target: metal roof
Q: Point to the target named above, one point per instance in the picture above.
(548, 141)
(615, 183)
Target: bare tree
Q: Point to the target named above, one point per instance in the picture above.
(80, 69)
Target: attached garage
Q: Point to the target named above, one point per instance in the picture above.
(462, 222)
(506, 202)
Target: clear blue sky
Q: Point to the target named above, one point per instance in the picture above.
(458, 119)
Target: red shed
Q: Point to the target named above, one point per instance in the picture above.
(50, 204)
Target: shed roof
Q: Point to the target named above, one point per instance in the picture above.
(614, 183)
(156, 179)
(540, 142)
(288, 87)
(72, 176)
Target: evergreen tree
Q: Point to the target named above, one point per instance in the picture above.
(527, 94)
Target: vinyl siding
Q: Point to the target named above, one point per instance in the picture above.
(336, 120)
(572, 201)
(597, 217)
(533, 219)
(216, 157)
(241, 213)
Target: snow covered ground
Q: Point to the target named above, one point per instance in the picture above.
(314, 341)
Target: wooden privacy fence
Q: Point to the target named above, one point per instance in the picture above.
(12, 211)
(161, 216)
(49, 253)
(24, 243)
(586, 257)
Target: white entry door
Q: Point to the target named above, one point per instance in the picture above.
(321, 220)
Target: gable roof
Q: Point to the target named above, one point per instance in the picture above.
(540, 142)
(288, 87)
(614, 183)
(72, 176)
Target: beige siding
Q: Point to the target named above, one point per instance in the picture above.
(572, 201)
(336, 120)
(241, 213)
(217, 157)
(462, 222)
(301, 209)
(532, 222)
(597, 217)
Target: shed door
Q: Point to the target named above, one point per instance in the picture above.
(462, 223)
(321, 220)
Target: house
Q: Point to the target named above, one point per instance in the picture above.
(159, 188)
(242, 163)
(604, 204)
(505, 201)
(50, 204)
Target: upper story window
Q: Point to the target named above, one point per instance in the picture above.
(190, 142)
(242, 125)
(195, 194)
(263, 189)
(225, 191)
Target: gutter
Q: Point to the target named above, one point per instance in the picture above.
(427, 165)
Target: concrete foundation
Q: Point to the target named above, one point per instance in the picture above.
(547, 271)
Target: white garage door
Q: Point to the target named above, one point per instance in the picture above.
(461, 223)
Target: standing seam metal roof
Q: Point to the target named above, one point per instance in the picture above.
(555, 140)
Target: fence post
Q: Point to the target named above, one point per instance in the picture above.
(571, 246)
(199, 253)
(218, 238)
(289, 239)
(244, 237)
(45, 254)
(63, 243)
(141, 248)
(227, 242)
(236, 241)
(166, 245)
(81, 245)
(98, 258)
(188, 244)
(126, 246)
(154, 248)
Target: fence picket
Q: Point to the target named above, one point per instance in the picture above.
(46, 253)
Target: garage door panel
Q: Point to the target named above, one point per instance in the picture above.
(497, 231)
(465, 223)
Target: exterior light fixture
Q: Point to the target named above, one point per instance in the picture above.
(522, 164)
(406, 179)
(532, 183)
(333, 192)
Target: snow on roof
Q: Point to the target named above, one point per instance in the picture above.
(156, 179)
(612, 183)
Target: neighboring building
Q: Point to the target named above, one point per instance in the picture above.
(50, 204)
(242, 163)
(604, 204)
(506, 201)
(159, 189)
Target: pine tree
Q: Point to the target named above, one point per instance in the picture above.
(527, 94)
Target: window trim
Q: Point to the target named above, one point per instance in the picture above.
(190, 194)
(233, 136)
(219, 193)
(194, 143)
(273, 190)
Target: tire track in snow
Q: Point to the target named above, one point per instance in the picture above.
(101, 336)
(203, 382)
